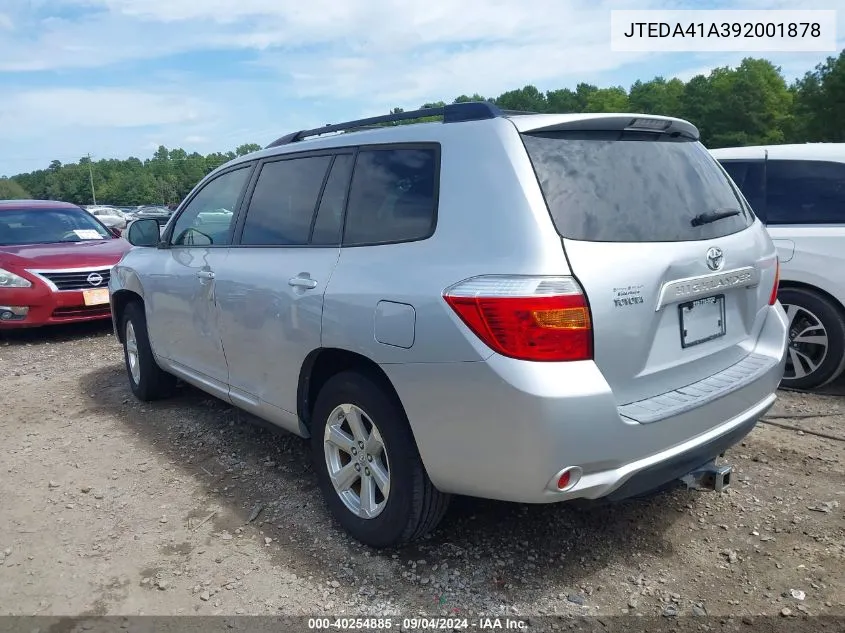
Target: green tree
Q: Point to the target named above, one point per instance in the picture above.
(527, 99)
(819, 98)
(752, 105)
(467, 99)
(11, 190)
(563, 101)
(657, 96)
(608, 100)
(749, 104)
(247, 148)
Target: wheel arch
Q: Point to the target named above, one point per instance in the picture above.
(838, 309)
(325, 362)
(801, 285)
(120, 299)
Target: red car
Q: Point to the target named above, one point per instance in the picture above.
(55, 261)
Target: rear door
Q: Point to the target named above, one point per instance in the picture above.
(676, 270)
(270, 294)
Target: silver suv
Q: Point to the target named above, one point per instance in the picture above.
(531, 308)
(798, 192)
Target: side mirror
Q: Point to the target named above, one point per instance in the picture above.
(115, 231)
(143, 232)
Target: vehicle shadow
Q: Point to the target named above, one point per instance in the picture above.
(56, 333)
(500, 551)
(836, 388)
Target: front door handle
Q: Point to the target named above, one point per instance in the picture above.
(205, 274)
(302, 282)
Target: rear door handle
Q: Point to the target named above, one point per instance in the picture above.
(302, 282)
(205, 274)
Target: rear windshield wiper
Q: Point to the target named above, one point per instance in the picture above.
(713, 216)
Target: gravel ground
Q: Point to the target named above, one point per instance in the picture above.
(110, 506)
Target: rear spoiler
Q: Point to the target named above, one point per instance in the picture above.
(607, 123)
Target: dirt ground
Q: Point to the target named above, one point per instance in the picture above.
(110, 506)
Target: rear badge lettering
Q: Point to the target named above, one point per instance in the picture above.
(715, 283)
(694, 287)
(627, 296)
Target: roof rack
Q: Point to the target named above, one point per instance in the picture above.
(452, 113)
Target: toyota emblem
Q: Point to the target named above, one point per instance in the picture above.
(95, 279)
(715, 258)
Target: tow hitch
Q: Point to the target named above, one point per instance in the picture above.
(709, 477)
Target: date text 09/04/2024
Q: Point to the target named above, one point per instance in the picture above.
(420, 623)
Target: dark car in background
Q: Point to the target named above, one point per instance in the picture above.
(159, 214)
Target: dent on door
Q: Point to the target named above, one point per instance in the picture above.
(198, 289)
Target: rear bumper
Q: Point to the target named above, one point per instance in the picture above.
(503, 429)
(49, 307)
(653, 471)
(682, 462)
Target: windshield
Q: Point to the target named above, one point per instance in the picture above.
(634, 187)
(48, 226)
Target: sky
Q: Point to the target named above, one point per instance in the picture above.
(118, 78)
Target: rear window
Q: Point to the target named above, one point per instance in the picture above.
(284, 201)
(805, 192)
(750, 177)
(393, 196)
(624, 187)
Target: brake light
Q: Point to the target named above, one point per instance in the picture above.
(528, 318)
(774, 296)
(658, 125)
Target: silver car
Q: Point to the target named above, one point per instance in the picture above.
(531, 308)
(109, 216)
(798, 191)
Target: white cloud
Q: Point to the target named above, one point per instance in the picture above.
(359, 49)
(74, 108)
(378, 29)
(435, 75)
(301, 64)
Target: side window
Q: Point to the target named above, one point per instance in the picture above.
(284, 201)
(207, 220)
(805, 192)
(749, 176)
(392, 197)
(329, 220)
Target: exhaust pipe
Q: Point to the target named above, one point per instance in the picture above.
(709, 477)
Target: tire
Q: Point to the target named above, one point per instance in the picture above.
(148, 381)
(812, 314)
(412, 506)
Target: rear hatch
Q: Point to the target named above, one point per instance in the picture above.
(676, 271)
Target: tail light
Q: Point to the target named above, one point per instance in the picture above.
(528, 318)
(774, 296)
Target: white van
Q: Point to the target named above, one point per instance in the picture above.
(798, 191)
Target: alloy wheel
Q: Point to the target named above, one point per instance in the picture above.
(808, 343)
(357, 461)
(132, 353)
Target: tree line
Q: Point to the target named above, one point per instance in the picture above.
(748, 105)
